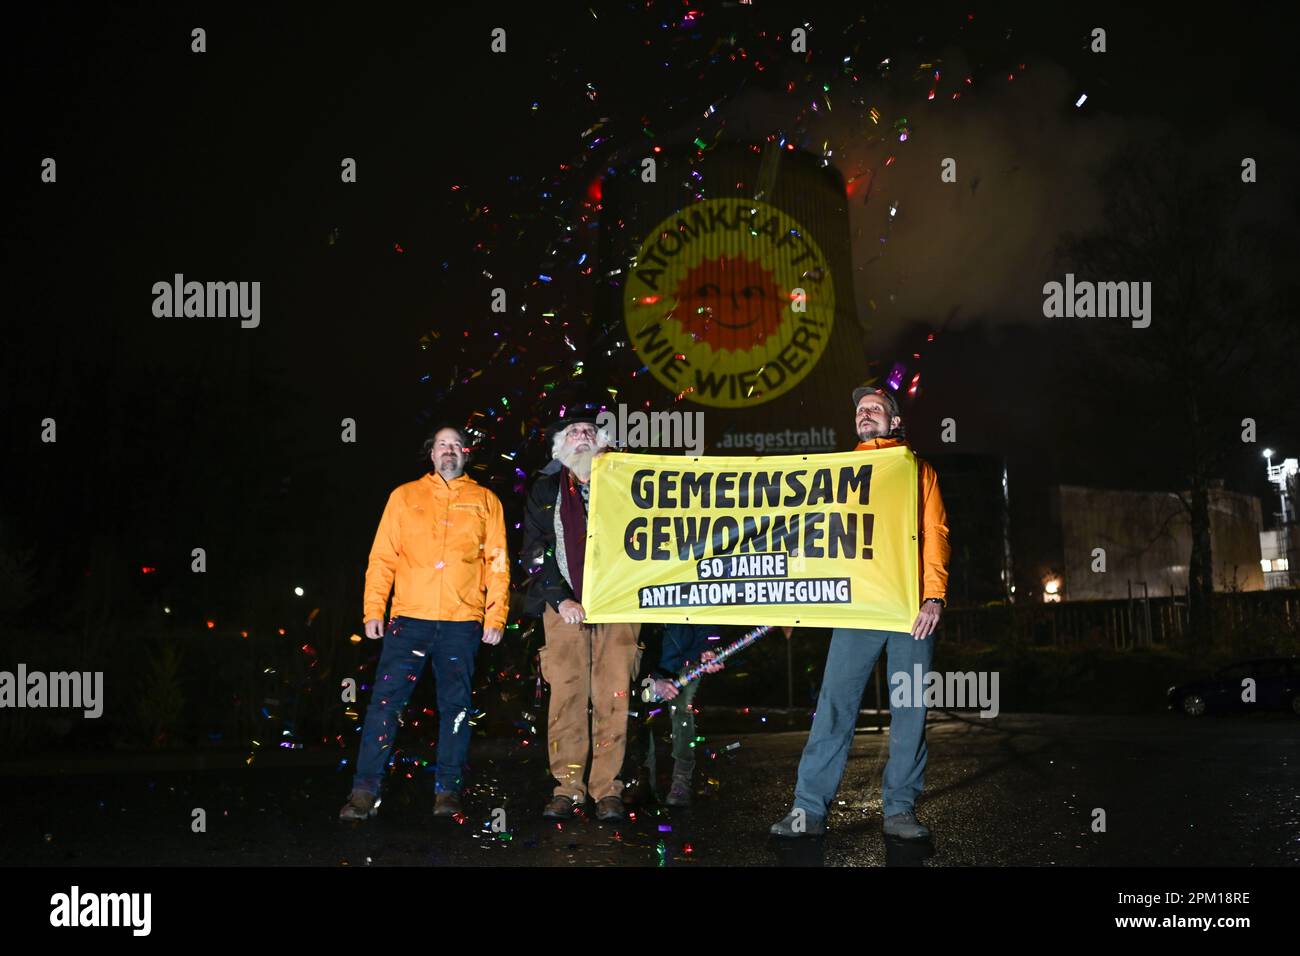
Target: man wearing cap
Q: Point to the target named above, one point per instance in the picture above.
(585, 664)
(852, 657)
(442, 541)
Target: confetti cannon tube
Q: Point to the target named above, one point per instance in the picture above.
(648, 694)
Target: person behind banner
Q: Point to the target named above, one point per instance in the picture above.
(442, 542)
(684, 645)
(584, 664)
(852, 657)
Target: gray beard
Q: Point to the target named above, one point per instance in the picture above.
(578, 462)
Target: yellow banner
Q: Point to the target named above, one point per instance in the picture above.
(811, 540)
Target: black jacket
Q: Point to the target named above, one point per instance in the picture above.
(545, 583)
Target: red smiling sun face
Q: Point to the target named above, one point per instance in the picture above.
(729, 303)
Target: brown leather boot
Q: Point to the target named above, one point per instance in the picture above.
(361, 805)
(561, 807)
(446, 804)
(609, 809)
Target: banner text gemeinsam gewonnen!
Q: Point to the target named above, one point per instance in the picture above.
(811, 540)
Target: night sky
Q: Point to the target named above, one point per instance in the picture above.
(176, 433)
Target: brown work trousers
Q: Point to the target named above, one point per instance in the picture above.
(596, 664)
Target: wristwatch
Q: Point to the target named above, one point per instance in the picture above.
(938, 601)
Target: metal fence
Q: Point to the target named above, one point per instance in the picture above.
(1121, 624)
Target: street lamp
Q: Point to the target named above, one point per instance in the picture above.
(1052, 591)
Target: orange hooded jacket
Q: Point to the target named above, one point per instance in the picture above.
(932, 523)
(443, 544)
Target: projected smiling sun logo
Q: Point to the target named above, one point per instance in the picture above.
(712, 304)
(729, 303)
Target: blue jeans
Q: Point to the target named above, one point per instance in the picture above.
(849, 664)
(409, 642)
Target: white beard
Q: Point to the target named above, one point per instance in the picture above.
(579, 462)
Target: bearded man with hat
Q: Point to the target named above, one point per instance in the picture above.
(586, 665)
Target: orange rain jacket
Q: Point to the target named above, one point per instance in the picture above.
(932, 523)
(444, 545)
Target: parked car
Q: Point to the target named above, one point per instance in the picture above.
(1277, 687)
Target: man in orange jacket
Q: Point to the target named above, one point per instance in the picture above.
(852, 657)
(442, 541)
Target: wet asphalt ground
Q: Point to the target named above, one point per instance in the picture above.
(1015, 790)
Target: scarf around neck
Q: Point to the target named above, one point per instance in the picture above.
(573, 519)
